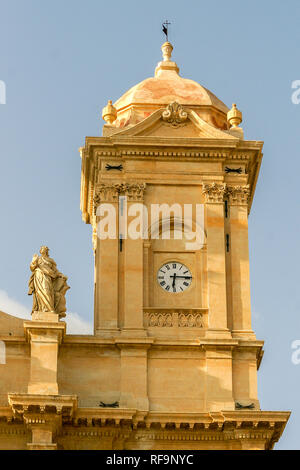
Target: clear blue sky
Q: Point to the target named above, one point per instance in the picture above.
(62, 60)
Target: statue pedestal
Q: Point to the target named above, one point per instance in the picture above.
(45, 333)
(45, 316)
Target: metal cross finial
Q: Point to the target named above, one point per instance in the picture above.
(165, 28)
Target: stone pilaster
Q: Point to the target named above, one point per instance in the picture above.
(216, 267)
(134, 373)
(106, 265)
(239, 258)
(133, 269)
(218, 377)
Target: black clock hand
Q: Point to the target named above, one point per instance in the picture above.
(174, 278)
(182, 277)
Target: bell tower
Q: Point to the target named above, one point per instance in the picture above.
(168, 190)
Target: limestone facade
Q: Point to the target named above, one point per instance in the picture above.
(163, 370)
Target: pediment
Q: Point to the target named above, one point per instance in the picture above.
(175, 121)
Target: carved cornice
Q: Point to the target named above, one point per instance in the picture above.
(123, 423)
(214, 192)
(238, 195)
(23, 403)
(174, 114)
(207, 154)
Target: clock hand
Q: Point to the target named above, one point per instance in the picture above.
(174, 278)
(182, 277)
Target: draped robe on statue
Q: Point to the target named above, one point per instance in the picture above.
(47, 285)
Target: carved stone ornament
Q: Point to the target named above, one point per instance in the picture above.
(134, 191)
(174, 114)
(178, 318)
(190, 320)
(214, 192)
(160, 319)
(106, 192)
(47, 285)
(110, 192)
(238, 195)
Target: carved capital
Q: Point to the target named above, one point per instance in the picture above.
(110, 192)
(214, 192)
(238, 195)
(174, 114)
(106, 192)
(134, 191)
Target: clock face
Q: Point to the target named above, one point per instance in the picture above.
(174, 277)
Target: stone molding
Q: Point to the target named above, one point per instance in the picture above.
(261, 428)
(242, 155)
(21, 403)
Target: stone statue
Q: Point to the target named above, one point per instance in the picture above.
(47, 285)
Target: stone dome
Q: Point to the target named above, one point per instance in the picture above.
(165, 87)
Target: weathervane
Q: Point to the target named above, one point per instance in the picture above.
(165, 28)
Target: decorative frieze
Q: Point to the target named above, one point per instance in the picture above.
(174, 114)
(178, 318)
(190, 320)
(160, 319)
(214, 192)
(238, 195)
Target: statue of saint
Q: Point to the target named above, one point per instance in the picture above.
(47, 285)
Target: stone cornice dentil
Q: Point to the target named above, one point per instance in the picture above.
(215, 192)
(203, 154)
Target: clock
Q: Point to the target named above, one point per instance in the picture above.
(174, 277)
